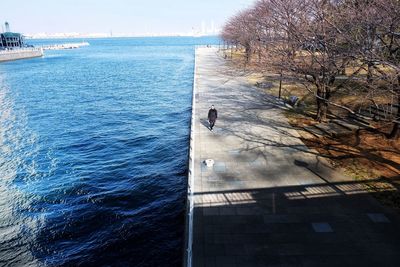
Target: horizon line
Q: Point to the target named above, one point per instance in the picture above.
(117, 36)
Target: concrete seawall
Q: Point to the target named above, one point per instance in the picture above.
(20, 54)
(187, 260)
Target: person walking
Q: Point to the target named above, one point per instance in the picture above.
(212, 117)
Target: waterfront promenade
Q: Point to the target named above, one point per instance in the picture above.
(269, 200)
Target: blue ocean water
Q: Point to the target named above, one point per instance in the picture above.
(93, 153)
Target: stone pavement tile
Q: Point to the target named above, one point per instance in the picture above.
(282, 228)
(231, 228)
(351, 226)
(287, 249)
(281, 218)
(332, 249)
(198, 261)
(223, 229)
(210, 211)
(378, 218)
(219, 167)
(291, 260)
(360, 203)
(214, 249)
(388, 229)
(227, 210)
(328, 238)
(210, 261)
(373, 235)
(230, 164)
(235, 249)
(303, 210)
(335, 215)
(253, 249)
(258, 164)
(334, 261)
(221, 238)
(198, 248)
(226, 261)
(256, 229)
(250, 261)
(258, 261)
(211, 229)
(249, 210)
(234, 152)
(198, 212)
(322, 227)
(246, 238)
(235, 219)
(237, 185)
(384, 248)
(230, 177)
(204, 167)
(212, 177)
(284, 238)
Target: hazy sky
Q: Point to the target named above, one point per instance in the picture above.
(120, 16)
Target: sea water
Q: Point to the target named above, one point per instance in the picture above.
(93, 153)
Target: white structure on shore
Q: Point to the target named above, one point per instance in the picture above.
(205, 29)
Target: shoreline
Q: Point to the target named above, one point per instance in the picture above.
(117, 37)
(188, 241)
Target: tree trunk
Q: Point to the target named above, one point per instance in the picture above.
(322, 109)
(395, 133)
(343, 70)
(248, 52)
(280, 85)
(322, 103)
(369, 72)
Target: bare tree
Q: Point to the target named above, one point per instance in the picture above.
(311, 46)
(375, 34)
(315, 40)
(241, 30)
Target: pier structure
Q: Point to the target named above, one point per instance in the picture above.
(13, 47)
(22, 53)
(65, 46)
(269, 200)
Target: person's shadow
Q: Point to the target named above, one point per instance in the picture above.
(205, 123)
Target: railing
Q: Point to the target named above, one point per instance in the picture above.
(381, 112)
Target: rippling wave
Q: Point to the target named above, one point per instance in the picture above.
(94, 146)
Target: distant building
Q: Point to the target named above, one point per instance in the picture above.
(10, 40)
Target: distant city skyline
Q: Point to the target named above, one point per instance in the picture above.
(101, 18)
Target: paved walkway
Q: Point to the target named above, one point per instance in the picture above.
(269, 200)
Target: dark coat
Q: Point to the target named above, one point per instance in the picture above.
(212, 114)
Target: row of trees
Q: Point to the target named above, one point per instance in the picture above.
(325, 43)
